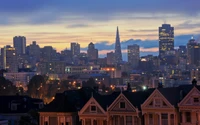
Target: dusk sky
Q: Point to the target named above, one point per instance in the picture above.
(59, 22)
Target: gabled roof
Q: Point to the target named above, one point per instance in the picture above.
(106, 100)
(69, 101)
(24, 103)
(171, 94)
(138, 98)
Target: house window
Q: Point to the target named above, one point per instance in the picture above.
(196, 100)
(188, 116)
(128, 120)
(45, 123)
(157, 102)
(67, 123)
(93, 108)
(122, 104)
(61, 123)
(151, 119)
(164, 119)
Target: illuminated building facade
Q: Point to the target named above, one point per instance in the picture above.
(193, 52)
(166, 41)
(75, 48)
(118, 53)
(134, 55)
(9, 59)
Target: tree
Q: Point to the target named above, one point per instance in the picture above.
(37, 86)
(7, 87)
(90, 83)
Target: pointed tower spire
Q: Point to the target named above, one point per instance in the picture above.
(118, 53)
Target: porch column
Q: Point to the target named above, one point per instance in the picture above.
(124, 120)
(133, 120)
(169, 118)
(160, 117)
(146, 118)
(92, 120)
(183, 117)
(58, 120)
(83, 122)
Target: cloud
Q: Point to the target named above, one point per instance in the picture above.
(54, 11)
(143, 30)
(189, 24)
(78, 26)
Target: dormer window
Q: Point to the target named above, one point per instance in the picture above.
(157, 103)
(196, 100)
(122, 105)
(93, 108)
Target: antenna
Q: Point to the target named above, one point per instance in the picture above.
(165, 21)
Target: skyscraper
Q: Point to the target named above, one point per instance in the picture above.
(92, 52)
(75, 48)
(193, 52)
(134, 55)
(118, 53)
(9, 59)
(166, 41)
(19, 43)
(111, 58)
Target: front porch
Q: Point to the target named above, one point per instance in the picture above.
(93, 121)
(160, 118)
(189, 116)
(117, 119)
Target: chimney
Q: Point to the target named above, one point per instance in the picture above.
(160, 85)
(194, 82)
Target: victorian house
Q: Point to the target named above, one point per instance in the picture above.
(159, 106)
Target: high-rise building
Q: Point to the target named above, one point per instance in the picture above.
(111, 58)
(92, 52)
(193, 52)
(48, 54)
(134, 55)
(75, 48)
(19, 43)
(118, 53)
(9, 59)
(34, 49)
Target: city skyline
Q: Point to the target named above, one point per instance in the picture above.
(56, 23)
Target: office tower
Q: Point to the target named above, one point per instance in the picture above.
(182, 51)
(19, 43)
(166, 41)
(111, 58)
(92, 52)
(193, 52)
(75, 48)
(9, 59)
(48, 53)
(118, 53)
(34, 50)
(134, 55)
